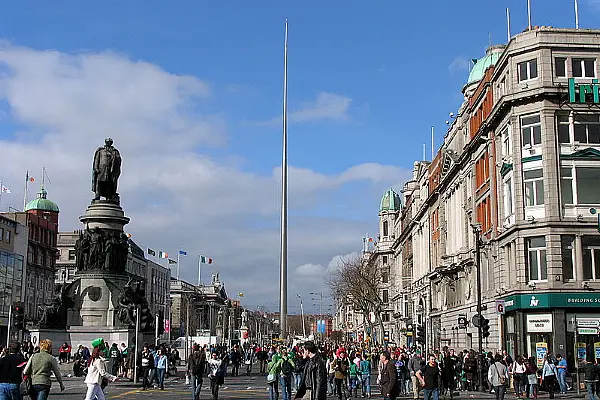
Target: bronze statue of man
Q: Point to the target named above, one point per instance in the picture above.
(106, 172)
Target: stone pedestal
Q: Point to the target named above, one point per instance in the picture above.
(105, 215)
(96, 299)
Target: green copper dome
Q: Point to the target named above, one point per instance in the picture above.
(491, 57)
(42, 203)
(390, 201)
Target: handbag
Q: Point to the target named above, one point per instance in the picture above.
(271, 378)
(25, 386)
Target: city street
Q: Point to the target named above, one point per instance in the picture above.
(241, 387)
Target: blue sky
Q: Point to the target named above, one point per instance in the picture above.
(366, 82)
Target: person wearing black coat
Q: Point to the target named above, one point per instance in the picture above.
(313, 384)
(389, 377)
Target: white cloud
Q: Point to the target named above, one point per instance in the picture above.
(62, 106)
(459, 64)
(326, 106)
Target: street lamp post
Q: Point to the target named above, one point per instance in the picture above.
(302, 315)
(477, 233)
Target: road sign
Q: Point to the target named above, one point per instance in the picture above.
(462, 321)
(587, 331)
(475, 320)
(588, 323)
(500, 309)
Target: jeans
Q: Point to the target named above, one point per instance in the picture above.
(550, 380)
(591, 387)
(562, 380)
(273, 391)
(94, 391)
(297, 378)
(214, 387)
(196, 385)
(160, 372)
(9, 391)
(365, 384)
(500, 391)
(286, 387)
(340, 389)
(41, 392)
(431, 394)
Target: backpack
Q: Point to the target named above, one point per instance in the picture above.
(286, 367)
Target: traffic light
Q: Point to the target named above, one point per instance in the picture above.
(146, 320)
(18, 317)
(420, 333)
(485, 327)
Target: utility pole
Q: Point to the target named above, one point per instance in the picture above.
(477, 233)
(576, 355)
(187, 327)
(10, 323)
(137, 329)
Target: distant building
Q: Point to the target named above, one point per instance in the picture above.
(41, 218)
(13, 247)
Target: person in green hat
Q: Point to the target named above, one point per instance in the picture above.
(97, 373)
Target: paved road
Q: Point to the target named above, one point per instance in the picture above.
(242, 387)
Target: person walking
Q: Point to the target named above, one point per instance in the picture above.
(160, 363)
(196, 365)
(365, 376)
(389, 377)
(147, 363)
(11, 371)
(272, 377)
(97, 376)
(430, 377)
(313, 383)
(286, 370)
(498, 377)
(39, 367)
(216, 374)
(549, 372)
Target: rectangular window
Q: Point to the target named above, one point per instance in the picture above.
(568, 262)
(591, 257)
(588, 190)
(566, 185)
(560, 67)
(385, 228)
(536, 258)
(1, 234)
(71, 255)
(385, 277)
(587, 128)
(7, 236)
(583, 67)
(508, 197)
(506, 148)
(527, 70)
(531, 130)
(534, 187)
(385, 260)
(563, 128)
(385, 294)
(385, 317)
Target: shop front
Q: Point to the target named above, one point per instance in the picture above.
(559, 322)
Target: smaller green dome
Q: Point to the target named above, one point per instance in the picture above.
(390, 201)
(491, 57)
(42, 203)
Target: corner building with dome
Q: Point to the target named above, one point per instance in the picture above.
(517, 171)
(40, 216)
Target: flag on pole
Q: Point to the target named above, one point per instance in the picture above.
(151, 252)
(206, 260)
(183, 252)
(172, 261)
(28, 178)
(162, 254)
(5, 189)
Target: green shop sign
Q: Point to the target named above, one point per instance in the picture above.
(552, 300)
(583, 90)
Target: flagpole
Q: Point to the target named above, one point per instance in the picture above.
(200, 269)
(284, 184)
(576, 15)
(1, 191)
(26, 188)
(177, 264)
(529, 13)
